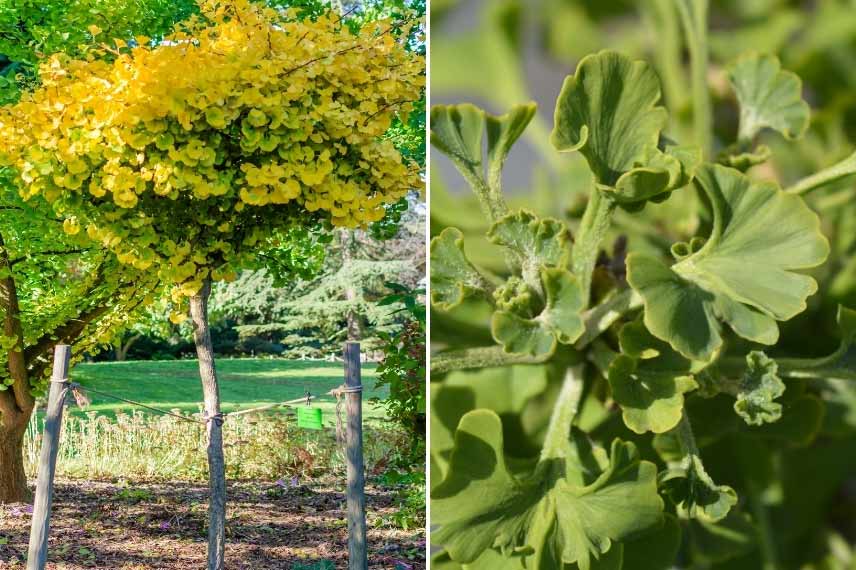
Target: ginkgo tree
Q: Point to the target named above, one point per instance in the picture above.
(244, 131)
(528, 470)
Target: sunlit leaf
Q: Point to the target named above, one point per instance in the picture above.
(609, 112)
(755, 225)
(649, 380)
(769, 97)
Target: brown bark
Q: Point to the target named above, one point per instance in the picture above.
(211, 396)
(13, 479)
(121, 349)
(16, 404)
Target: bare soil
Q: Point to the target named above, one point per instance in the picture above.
(270, 526)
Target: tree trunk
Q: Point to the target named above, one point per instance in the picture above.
(16, 402)
(354, 325)
(216, 462)
(121, 349)
(13, 479)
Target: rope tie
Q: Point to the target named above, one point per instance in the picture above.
(79, 393)
(218, 418)
(338, 392)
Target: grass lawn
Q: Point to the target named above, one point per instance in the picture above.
(244, 383)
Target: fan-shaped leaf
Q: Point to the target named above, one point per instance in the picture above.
(453, 277)
(769, 97)
(742, 275)
(559, 321)
(608, 112)
(649, 380)
(541, 242)
(458, 131)
(565, 511)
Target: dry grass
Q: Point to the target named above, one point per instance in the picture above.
(144, 447)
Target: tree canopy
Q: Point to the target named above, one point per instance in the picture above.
(166, 154)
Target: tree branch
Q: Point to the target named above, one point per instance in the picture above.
(49, 252)
(16, 363)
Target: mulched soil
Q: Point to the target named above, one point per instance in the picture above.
(162, 527)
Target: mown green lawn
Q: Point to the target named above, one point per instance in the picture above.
(244, 383)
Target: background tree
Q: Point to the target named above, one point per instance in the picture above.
(313, 317)
(189, 158)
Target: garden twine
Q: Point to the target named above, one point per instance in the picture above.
(338, 392)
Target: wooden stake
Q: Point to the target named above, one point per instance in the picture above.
(38, 554)
(357, 551)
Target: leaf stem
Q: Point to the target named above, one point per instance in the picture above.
(485, 357)
(694, 20)
(490, 198)
(836, 366)
(564, 412)
(661, 19)
(599, 318)
(592, 231)
(767, 546)
(684, 431)
(837, 171)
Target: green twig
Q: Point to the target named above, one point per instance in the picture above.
(842, 169)
(687, 440)
(661, 18)
(490, 198)
(485, 357)
(694, 20)
(766, 534)
(590, 235)
(598, 319)
(837, 366)
(564, 412)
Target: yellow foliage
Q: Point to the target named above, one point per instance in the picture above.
(247, 118)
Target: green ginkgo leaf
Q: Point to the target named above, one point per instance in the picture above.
(560, 320)
(569, 510)
(759, 388)
(535, 242)
(457, 131)
(649, 380)
(453, 277)
(769, 97)
(502, 132)
(608, 111)
(743, 275)
(695, 493)
(507, 391)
